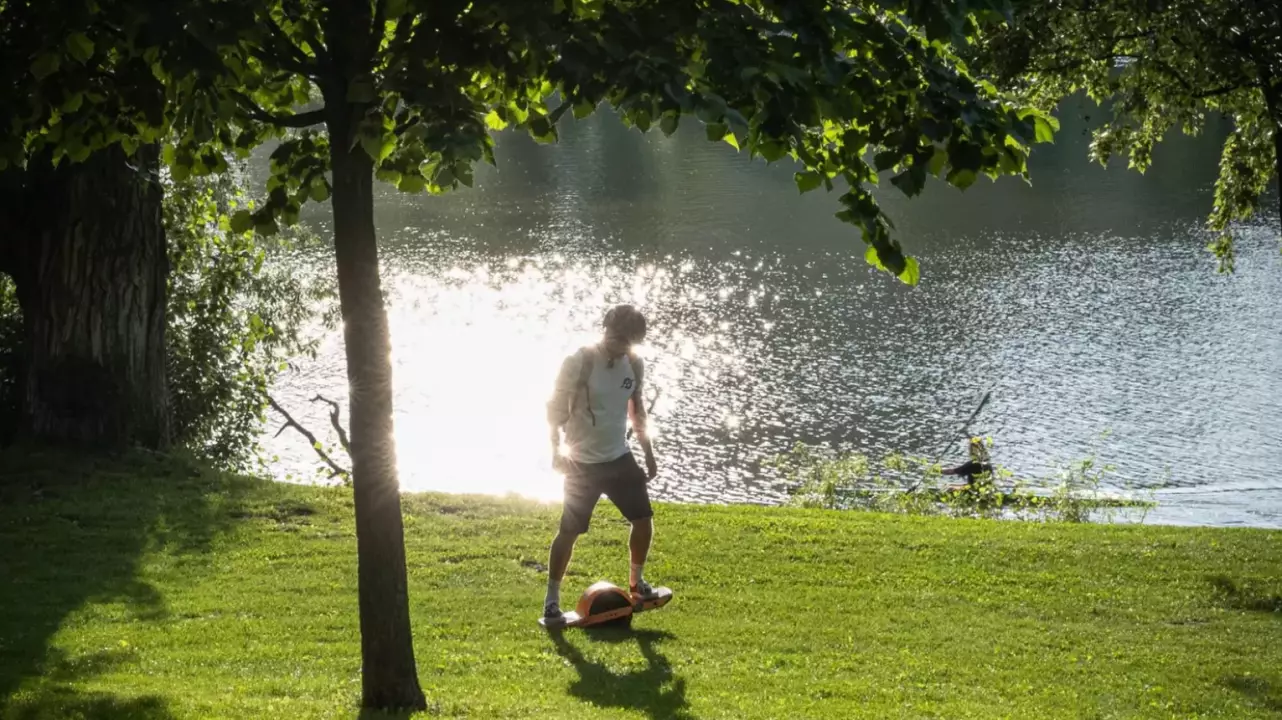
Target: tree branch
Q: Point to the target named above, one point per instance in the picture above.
(1226, 90)
(297, 120)
(290, 422)
(335, 419)
(377, 29)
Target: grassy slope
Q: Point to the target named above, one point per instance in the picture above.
(153, 590)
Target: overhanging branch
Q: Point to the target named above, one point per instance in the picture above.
(296, 120)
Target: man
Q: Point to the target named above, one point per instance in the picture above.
(598, 389)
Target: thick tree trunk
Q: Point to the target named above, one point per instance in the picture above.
(91, 277)
(390, 678)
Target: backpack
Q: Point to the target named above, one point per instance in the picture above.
(587, 356)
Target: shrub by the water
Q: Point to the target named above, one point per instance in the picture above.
(836, 479)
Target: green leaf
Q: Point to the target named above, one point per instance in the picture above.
(378, 147)
(772, 151)
(319, 188)
(80, 47)
(669, 123)
(938, 161)
(242, 221)
(73, 102)
(886, 159)
(45, 65)
(910, 181)
(716, 131)
(589, 9)
(1044, 129)
(911, 273)
(962, 178)
(542, 130)
(494, 122)
(870, 256)
(414, 183)
(809, 180)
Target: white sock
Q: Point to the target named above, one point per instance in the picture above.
(636, 578)
(554, 593)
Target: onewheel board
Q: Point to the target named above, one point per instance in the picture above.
(605, 603)
(569, 619)
(662, 596)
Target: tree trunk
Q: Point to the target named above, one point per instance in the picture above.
(91, 272)
(389, 675)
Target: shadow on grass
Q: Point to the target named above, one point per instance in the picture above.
(75, 530)
(1237, 596)
(653, 690)
(1257, 690)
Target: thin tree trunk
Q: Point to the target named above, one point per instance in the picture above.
(390, 677)
(91, 277)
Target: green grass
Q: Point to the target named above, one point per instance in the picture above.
(152, 589)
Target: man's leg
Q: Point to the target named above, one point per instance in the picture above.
(638, 548)
(581, 496)
(628, 491)
(558, 562)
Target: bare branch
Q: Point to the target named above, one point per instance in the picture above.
(290, 422)
(335, 419)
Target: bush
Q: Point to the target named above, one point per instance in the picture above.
(840, 479)
(235, 320)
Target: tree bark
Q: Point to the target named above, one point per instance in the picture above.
(389, 674)
(90, 268)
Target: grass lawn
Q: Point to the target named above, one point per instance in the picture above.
(152, 589)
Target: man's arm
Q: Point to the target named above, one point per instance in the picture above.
(640, 417)
(559, 404)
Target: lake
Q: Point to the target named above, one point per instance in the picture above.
(1085, 303)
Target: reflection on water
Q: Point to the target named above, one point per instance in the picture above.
(1085, 303)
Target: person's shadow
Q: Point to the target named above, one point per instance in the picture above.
(653, 690)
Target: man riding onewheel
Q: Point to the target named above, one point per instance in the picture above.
(598, 390)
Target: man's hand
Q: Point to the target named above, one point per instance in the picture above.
(651, 467)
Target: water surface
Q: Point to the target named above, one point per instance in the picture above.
(1085, 303)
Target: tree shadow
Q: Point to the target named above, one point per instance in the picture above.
(60, 703)
(76, 530)
(1257, 690)
(1238, 596)
(653, 690)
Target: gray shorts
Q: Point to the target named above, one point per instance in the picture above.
(622, 480)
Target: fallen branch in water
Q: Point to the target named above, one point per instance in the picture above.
(336, 470)
(335, 419)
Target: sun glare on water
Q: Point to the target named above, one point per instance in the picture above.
(475, 355)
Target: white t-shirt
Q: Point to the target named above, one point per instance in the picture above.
(596, 431)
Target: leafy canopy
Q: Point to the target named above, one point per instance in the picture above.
(1161, 65)
(852, 92)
